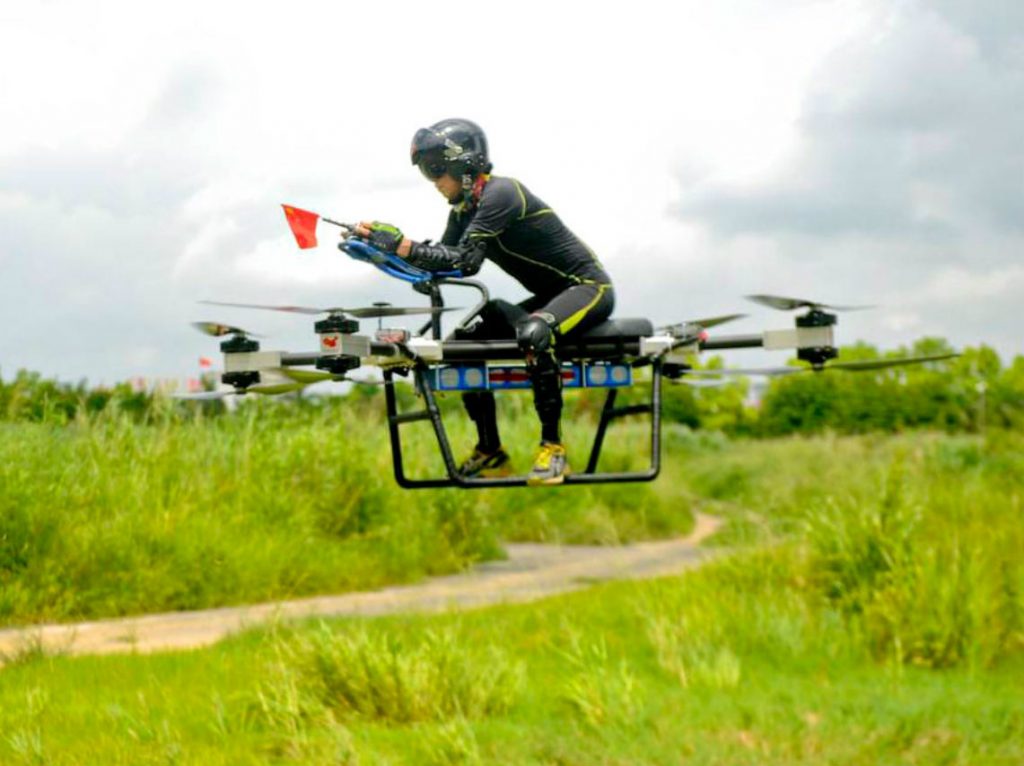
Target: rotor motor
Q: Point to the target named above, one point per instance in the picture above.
(342, 325)
(240, 344)
(818, 355)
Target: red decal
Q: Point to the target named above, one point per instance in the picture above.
(508, 376)
(330, 342)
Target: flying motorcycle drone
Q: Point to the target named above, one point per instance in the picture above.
(604, 357)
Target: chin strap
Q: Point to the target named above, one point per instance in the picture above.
(472, 190)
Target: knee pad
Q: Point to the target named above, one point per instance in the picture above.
(535, 334)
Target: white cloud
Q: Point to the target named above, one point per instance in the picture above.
(142, 163)
(905, 186)
(955, 285)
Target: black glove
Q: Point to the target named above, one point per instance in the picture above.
(386, 237)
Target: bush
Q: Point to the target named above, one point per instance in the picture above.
(378, 676)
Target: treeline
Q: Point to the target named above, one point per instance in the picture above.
(966, 394)
(30, 397)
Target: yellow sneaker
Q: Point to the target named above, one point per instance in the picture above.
(550, 467)
(486, 465)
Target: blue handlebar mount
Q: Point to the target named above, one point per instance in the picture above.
(391, 264)
(422, 281)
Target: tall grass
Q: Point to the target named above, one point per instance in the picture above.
(856, 637)
(913, 542)
(929, 571)
(107, 516)
(360, 674)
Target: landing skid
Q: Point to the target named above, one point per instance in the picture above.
(432, 413)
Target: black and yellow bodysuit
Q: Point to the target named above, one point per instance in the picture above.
(502, 221)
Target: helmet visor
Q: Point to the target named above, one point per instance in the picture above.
(432, 164)
(425, 141)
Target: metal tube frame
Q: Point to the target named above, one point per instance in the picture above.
(432, 412)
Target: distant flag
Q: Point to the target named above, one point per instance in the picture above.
(205, 362)
(303, 225)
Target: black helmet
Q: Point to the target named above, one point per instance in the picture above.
(456, 147)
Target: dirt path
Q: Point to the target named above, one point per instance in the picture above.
(532, 571)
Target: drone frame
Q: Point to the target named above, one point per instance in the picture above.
(622, 344)
(482, 352)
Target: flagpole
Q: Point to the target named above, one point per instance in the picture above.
(349, 226)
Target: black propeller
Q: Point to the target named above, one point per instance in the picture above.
(373, 312)
(788, 304)
(853, 366)
(700, 382)
(280, 380)
(684, 328)
(217, 330)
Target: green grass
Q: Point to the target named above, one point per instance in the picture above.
(104, 516)
(581, 679)
(870, 612)
(914, 539)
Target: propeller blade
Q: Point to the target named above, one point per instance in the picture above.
(200, 396)
(292, 309)
(309, 377)
(737, 371)
(306, 377)
(788, 304)
(715, 321)
(881, 364)
(701, 383)
(297, 380)
(688, 327)
(865, 365)
(275, 388)
(374, 312)
(216, 329)
(394, 311)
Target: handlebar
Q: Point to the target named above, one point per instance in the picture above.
(391, 264)
(423, 281)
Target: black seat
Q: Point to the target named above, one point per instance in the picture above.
(620, 328)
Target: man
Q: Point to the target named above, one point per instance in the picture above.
(498, 219)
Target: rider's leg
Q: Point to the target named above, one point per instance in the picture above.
(483, 412)
(572, 311)
(496, 321)
(536, 338)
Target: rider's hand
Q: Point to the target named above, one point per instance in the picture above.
(385, 237)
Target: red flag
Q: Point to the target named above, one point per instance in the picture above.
(303, 225)
(205, 362)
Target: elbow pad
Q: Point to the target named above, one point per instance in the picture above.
(466, 257)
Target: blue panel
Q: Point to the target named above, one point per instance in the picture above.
(513, 377)
(608, 375)
(458, 377)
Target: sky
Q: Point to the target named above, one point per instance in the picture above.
(845, 151)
